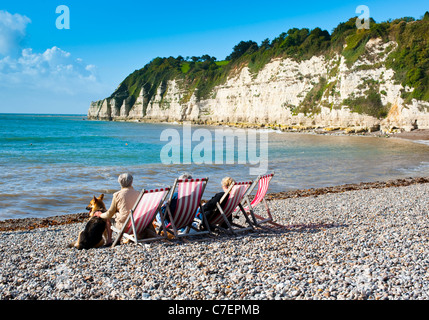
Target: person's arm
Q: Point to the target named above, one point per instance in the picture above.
(211, 204)
(111, 212)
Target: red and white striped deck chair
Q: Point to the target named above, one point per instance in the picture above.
(189, 194)
(141, 216)
(236, 193)
(263, 182)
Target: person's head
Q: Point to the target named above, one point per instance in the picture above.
(226, 183)
(185, 176)
(125, 180)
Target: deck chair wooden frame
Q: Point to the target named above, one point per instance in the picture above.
(236, 191)
(263, 183)
(147, 205)
(190, 192)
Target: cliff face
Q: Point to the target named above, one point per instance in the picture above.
(319, 92)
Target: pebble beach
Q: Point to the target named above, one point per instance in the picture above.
(369, 243)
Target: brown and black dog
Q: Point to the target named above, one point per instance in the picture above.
(95, 233)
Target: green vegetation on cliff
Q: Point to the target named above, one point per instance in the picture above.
(411, 59)
(200, 75)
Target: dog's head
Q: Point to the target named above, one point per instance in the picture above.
(96, 204)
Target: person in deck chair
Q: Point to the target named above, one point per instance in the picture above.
(122, 203)
(172, 203)
(210, 206)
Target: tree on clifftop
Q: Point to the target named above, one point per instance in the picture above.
(242, 48)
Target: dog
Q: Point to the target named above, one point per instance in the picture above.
(95, 233)
(95, 205)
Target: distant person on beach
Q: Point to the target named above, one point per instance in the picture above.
(210, 206)
(123, 201)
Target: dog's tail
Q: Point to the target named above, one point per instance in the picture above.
(77, 244)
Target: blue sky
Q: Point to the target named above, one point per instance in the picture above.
(48, 70)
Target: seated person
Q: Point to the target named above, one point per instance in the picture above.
(122, 203)
(210, 207)
(172, 204)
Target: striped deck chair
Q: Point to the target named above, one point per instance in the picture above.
(141, 216)
(189, 194)
(236, 193)
(263, 182)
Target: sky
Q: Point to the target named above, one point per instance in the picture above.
(58, 61)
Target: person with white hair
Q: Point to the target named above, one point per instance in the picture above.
(122, 202)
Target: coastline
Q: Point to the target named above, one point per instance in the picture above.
(33, 223)
(418, 135)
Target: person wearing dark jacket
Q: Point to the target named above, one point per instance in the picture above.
(210, 206)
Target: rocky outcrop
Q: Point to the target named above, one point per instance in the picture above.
(276, 95)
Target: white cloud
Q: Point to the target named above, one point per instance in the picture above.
(52, 73)
(12, 31)
(54, 69)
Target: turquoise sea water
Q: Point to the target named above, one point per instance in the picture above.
(54, 164)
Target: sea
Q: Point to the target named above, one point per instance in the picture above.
(54, 164)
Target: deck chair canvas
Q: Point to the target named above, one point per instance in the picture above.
(141, 216)
(236, 193)
(189, 194)
(263, 182)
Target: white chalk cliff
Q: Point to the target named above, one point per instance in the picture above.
(271, 96)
